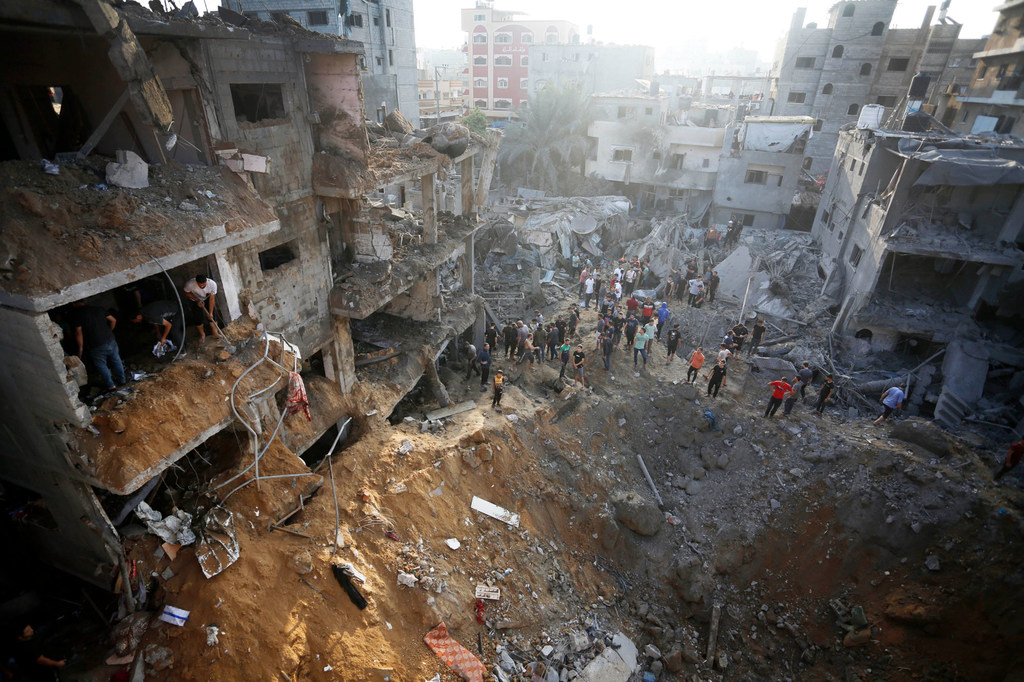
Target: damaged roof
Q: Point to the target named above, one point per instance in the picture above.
(69, 236)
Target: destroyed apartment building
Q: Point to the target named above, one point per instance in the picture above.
(141, 149)
(923, 232)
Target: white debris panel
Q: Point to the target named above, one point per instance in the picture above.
(552, 225)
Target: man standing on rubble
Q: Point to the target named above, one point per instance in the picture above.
(756, 337)
(824, 393)
(94, 330)
(792, 395)
(471, 359)
(779, 389)
(806, 375)
(564, 351)
(713, 281)
(484, 361)
(716, 379)
(584, 273)
(630, 277)
(588, 291)
(696, 288)
(640, 346)
(696, 362)
(203, 294)
(663, 315)
(577, 365)
(630, 328)
(892, 401)
(491, 336)
(739, 335)
(510, 336)
(540, 340)
(672, 342)
(522, 331)
(606, 349)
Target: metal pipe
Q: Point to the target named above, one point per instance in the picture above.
(181, 307)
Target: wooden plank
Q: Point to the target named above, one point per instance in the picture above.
(104, 125)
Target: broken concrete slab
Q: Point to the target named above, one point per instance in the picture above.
(923, 433)
(451, 410)
(494, 511)
(615, 664)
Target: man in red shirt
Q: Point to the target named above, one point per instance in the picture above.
(1013, 458)
(647, 312)
(632, 305)
(779, 389)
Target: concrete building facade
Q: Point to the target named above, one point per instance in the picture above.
(498, 46)
(385, 28)
(592, 68)
(831, 73)
(993, 99)
(260, 178)
(438, 93)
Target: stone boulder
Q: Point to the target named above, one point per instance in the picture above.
(638, 514)
(923, 433)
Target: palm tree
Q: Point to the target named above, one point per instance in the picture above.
(550, 140)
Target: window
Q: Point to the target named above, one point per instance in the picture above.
(277, 256)
(387, 18)
(317, 18)
(502, 83)
(524, 60)
(852, 111)
(886, 100)
(797, 97)
(544, 57)
(748, 219)
(622, 155)
(849, 10)
(648, 111)
(837, 52)
(808, 161)
(257, 101)
(878, 28)
(656, 156)
(480, 103)
(827, 90)
(981, 72)
(625, 112)
(355, 20)
(853, 164)
(855, 255)
(503, 60)
(576, 56)
(480, 38)
(705, 163)
(376, 21)
(480, 82)
(865, 69)
(479, 61)
(817, 124)
(551, 38)
(391, 58)
(479, 17)
(502, 104)
(503, 37)
(1001, 71)
(805, 62)
(756, 177)
(677, 161)
(526, 38)
(898, 64)
(379, 60)
(524, 83)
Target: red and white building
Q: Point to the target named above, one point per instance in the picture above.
(498, 55)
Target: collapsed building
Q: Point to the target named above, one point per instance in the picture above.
(141, 149)
(923, 231)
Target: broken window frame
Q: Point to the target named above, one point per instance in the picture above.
(275, 257)
(796, 97)
(318, 14)
(755, 177)
(622, 155)
(856, 253)
(898, 64)
(263, 109)
(355, 20)
(804, 63)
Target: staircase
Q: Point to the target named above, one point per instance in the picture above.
(950, 410)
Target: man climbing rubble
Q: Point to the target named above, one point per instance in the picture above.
(756, 337)
(202, 292)
(892, 401)
(779, 389)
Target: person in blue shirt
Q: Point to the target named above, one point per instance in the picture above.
(892, 400)
(663, 314)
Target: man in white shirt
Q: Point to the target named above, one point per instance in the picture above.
(695, 287)
(202, 293)
(588, 291)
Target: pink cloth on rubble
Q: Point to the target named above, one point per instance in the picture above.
(457, 657)
(297, 400)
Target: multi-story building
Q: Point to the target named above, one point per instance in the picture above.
(439, 93)
(498, 53)
(831, 73)
(924, 232)
(993, 100)
(591, 68)
(383, 27)
(261, 166)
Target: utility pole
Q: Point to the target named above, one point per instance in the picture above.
(437, 92)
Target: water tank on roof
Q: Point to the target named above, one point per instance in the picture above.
(871, 116)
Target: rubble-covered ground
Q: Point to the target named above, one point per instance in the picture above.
(832, 549)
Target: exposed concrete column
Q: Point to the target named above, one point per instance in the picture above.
(436, 385)
(429, 209)
(466, 169)
(980, 286)
(230, 285)
(487, 167)
(339, 361)
(1014, 221)
(467, 272)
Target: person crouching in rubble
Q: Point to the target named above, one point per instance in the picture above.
(165, 316)
(892, 401)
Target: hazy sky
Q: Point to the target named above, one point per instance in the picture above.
(751, 24)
